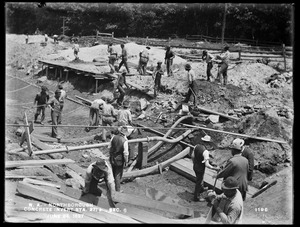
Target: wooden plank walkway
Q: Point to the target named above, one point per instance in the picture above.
(185, 168)
(14, 164)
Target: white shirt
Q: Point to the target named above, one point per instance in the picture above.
(96, 103)
(205, 156)
(63, 95)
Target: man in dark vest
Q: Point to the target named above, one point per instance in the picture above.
(200, 157)
(120, 82)
(41, 99)
(119, 154)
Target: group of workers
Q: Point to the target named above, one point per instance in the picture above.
(238, 171)
(56, 104)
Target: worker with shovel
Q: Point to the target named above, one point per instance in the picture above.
(120, 82)
(191, 80)
(94, 112)
(200, 157)
(101, 169)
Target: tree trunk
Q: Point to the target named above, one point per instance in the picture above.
(224, 22)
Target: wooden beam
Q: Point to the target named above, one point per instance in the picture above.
(43, 146)
(146, 202)
(235, 134)
(96, 86)
(14, 164)
(21, 176)
(185, 168)
(27, 133)
(142, 155)
(59, 199)
(264, 188)
(39, 182)
(217, 113)
(85, 100)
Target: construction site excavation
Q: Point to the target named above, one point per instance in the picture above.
(61, 156)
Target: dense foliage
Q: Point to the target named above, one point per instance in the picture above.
(264, 22)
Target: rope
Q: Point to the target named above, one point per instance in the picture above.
(19, 88)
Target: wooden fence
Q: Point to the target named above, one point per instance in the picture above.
(231, 40)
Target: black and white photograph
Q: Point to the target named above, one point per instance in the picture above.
(149, 113)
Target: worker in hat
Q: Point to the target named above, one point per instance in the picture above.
(125, 116)
(208, 57)
(113, 55)
(169, 56)
(121, 80)
(156, 76)
(76, 49)
(100, 169)
(118, 153)
(228, 207)
(109, 115)
(191, 80)
(94, 115)
(55, 106)
(63, 96)
(239, 144)
(224, 57)
(41, 100)
(200, 157)
(124, 57)
(143, 61)
(237, 167)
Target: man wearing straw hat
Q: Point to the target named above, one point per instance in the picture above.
(200, 157)
(191, 80)
(227, 207)
(118, 154)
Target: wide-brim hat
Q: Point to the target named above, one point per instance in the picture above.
(100, 164)
(230, 183)
(237, 144)
(159, 62)
(206, 138)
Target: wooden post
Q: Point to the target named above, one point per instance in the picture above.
(142, 155)
(112, 34)
(47, 69)
(169, 41)
(67, 75)
(55, 73)
(96, 86)
(29, 145)
(240, 53)
(60, 73)
(284, 57)
(146, 41)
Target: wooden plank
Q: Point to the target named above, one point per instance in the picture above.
(264, 188)
(135, 213)
(76, 176)
(217, 113)
(60, 199)
(235, 134)
(14, 164)
(27, 133)
(43, 146)
(39, 182)
(71, 140)
(146, 202)
(21, 176)
(140, 88)
(85, 100)
(77, 169)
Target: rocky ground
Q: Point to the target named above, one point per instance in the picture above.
(265, 109)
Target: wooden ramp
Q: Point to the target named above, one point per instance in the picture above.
(185, 168)
(140, 88)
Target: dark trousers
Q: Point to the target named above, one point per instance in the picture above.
(60, 116)
(118, 173)
(40, 110)
(54, 117)
(157, 85)
(191, 91)
(169, 69)
(199, 183)
(122, 94)
(208, 70)
(222, 74)
(124, 61)
(94, 117)
(244, 193)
